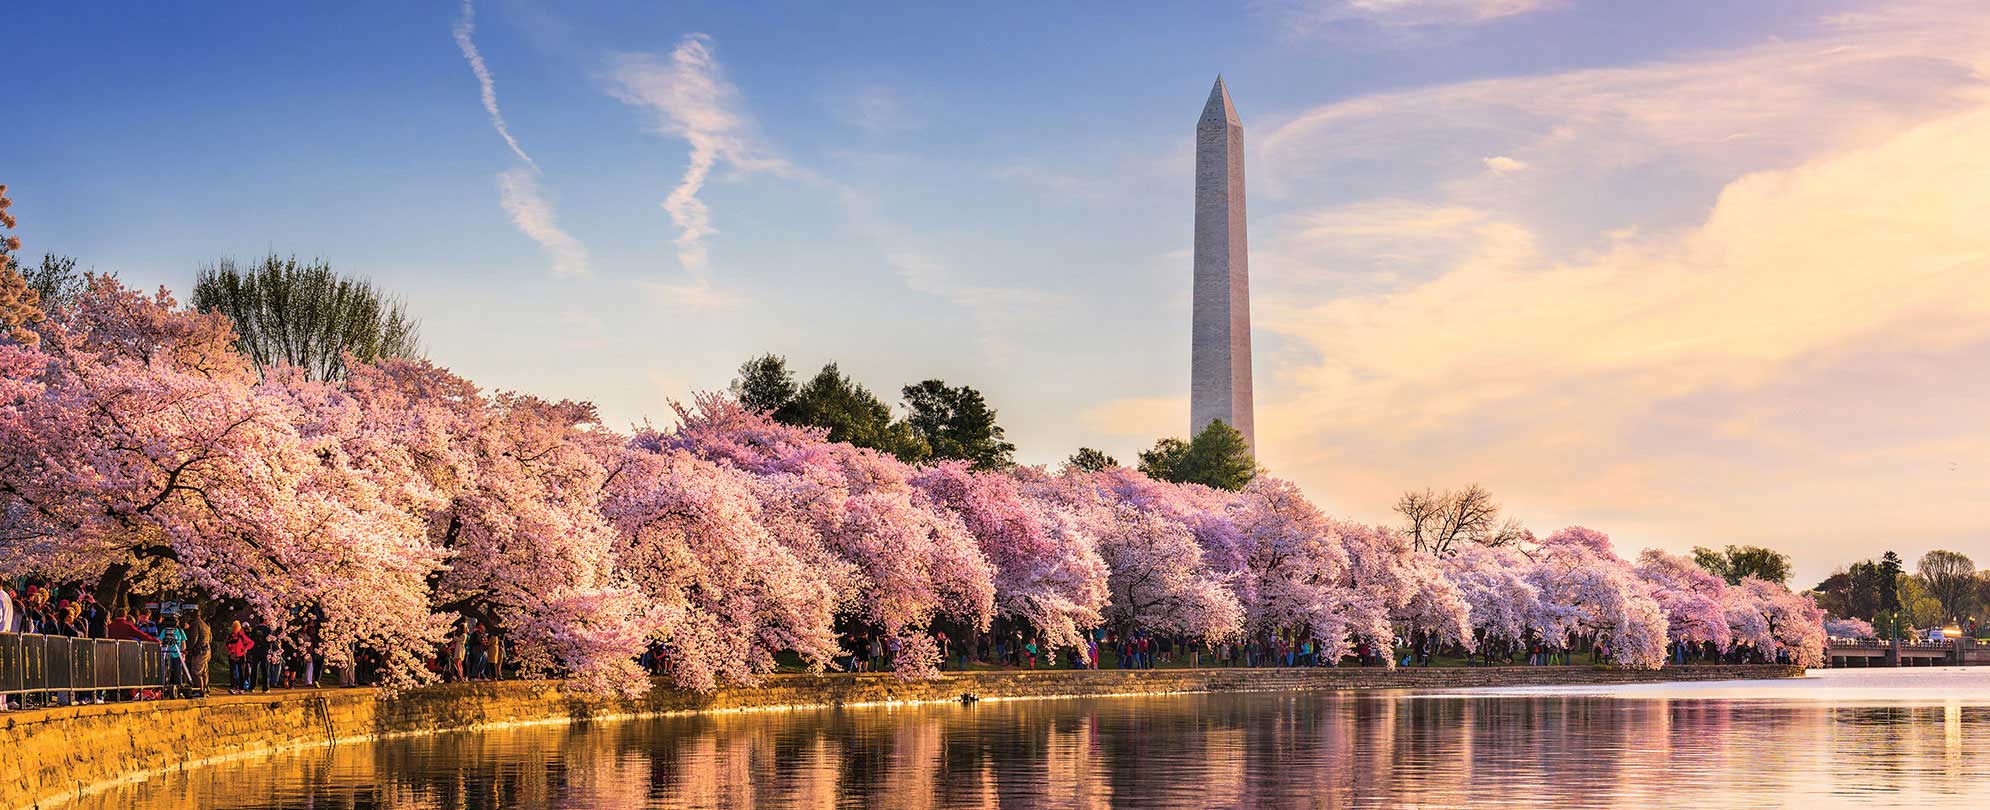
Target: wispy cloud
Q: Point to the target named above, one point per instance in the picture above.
(466, 25)
(999, 313)
(1309, 15)
(518, 190)
(691, 99)
(874, 107)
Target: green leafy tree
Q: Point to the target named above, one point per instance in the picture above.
(1737, 562)
(1918, 606)
(1091, 460)
(1217, 457)
(1866, 588)
(956, 423)
(1834, 594)
(1951, 578)
(306, 315)
(853, 414)
(765, 384)
(1165, 459)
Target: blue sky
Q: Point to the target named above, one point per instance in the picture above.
(1604, 258)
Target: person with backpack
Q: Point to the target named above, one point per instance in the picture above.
(172, 653)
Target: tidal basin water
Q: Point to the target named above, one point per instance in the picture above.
(1867, 738)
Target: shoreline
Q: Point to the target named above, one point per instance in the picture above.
(66, 753)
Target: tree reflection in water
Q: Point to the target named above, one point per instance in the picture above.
(1315, 749)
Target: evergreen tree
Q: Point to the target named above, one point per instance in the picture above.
(853, 414)
(1164, 460)
(956, 423)
(765, 384)
(1091, 460)
(1217, 457)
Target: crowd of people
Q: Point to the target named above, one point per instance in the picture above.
(258, 656)
(38, 607)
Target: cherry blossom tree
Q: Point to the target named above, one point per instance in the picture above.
(1694, 600)
(1849, 628)
(1501, 602)
(729, 596)
(1289, 565)
(1395, 582)
(1587, 591)
(1796, 623)
(1158, 575)
(1748, 625)
(509, 488)
(134, 451)
(1047, 572)
(897, 561)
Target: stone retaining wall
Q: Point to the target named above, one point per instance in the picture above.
(57, 754)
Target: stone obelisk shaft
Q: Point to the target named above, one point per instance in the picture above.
(1220, 358)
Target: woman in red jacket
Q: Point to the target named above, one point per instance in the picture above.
(239, 667)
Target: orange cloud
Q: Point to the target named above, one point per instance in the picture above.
(1785, 367)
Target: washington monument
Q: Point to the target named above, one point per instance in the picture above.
(1220, 354)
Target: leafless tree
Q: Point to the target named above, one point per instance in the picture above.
(1438, 522)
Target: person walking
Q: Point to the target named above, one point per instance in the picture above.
(240, 673)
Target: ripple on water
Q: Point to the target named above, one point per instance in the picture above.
(1871, 738)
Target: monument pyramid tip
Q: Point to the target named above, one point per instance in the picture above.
(1219, 102)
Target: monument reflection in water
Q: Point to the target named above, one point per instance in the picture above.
(1866, 738)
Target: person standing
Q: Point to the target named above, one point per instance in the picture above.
(459, 638)
(478, 657)
(123, 628)
(200, 650)
(260, 654)
(172, 655)
(238, 649)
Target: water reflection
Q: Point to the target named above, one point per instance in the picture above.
(1631, 746)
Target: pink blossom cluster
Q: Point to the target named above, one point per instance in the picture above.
(137, 446)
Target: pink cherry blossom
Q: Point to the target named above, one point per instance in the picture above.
(1693, 599)
(1047, 571)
